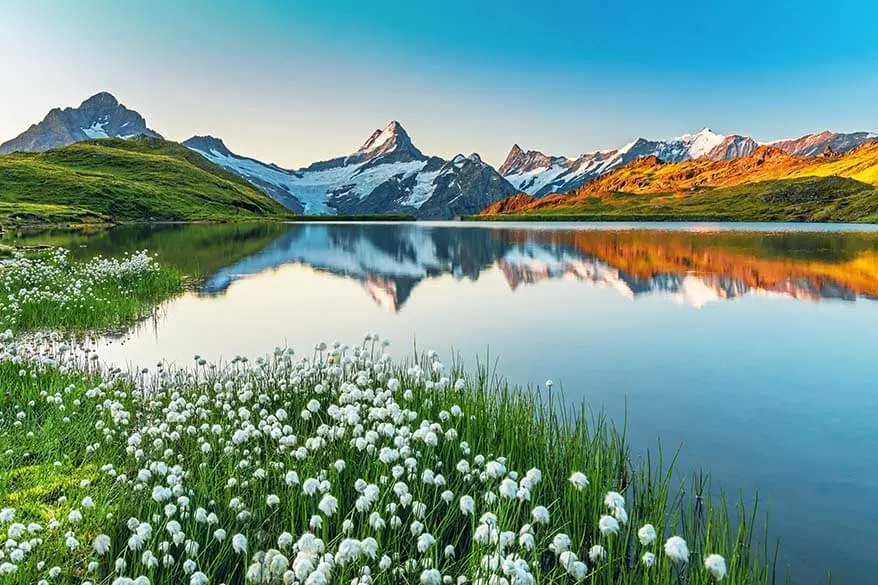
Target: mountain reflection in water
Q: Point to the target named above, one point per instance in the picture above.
(694, 268)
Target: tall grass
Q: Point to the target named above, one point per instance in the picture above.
(62, 425)
(338, 467)
(51, 291)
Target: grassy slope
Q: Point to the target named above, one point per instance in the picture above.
(764, 187)
(125, 180)
(826, 199)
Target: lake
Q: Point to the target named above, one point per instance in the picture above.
(752, 348)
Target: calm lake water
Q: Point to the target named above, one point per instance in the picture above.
(754, 348)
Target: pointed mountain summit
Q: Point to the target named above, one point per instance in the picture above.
(393, 138)
(100, 116)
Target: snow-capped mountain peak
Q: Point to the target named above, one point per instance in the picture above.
(391, 140)
(702, 142)
(538, 174)
(100, 116)
(386, 139)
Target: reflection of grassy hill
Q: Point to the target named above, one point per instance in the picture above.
(771, 261)
(768, 185)
(195, 249)
(124, 180)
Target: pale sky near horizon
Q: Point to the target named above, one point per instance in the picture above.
(295, 82)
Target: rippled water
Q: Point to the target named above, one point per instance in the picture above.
(753, 348)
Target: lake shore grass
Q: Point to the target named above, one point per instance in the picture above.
(337, 466)
(46, 289)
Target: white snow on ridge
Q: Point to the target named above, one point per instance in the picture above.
(535, 179)
(422, 190)
(364, 181)
(701, 143)
(96, 130)
(379, 141)
(313, 201)
(315, 189)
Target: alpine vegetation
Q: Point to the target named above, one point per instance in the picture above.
(340, 466)
(52, 291)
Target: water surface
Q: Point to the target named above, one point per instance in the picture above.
(751, 346)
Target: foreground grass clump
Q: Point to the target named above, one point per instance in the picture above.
(343, 467)
(51, 291)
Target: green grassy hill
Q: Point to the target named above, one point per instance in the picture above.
(767, 185)
(142, 179)
(810, 199)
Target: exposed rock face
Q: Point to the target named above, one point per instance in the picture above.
(814, 144)
(733, 146)
(387, 174)
(100, 116)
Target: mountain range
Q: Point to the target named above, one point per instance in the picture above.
(388, 174)
(538, 174)
(769, 184)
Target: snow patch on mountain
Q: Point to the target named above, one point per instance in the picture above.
(313, 202)
(701, 143)
(420, 193)
(96, 130)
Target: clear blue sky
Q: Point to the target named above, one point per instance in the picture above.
(297, 81)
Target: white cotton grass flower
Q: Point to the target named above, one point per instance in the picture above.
(648, 559)
(239, 543)
(614, 500)
(597, 553)
(647, 534)
(560, 543)
(328, 504)
(579, 480)
(716, 566)
(6, 515)
(425, 541)
(608, 525)
(101, 544)
(566, 559)
(431, 577)
(540, 515)
(677, 550)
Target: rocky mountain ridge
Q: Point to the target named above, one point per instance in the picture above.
(100, 116)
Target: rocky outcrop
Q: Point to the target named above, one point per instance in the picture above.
(100, 116)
